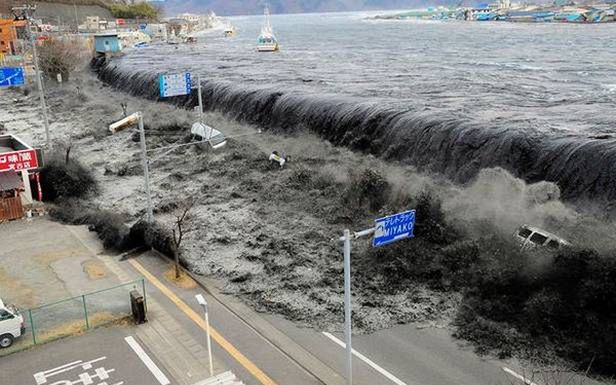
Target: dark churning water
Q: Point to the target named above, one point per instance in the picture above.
(451, 97)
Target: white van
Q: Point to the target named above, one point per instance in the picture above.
(532, 237)
(11, 325)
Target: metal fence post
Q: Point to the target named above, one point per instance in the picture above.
(32, 326)
(85, 311)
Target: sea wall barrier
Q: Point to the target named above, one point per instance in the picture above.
(583, 167)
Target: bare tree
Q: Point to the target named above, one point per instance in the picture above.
(61, 56)
(180, 230)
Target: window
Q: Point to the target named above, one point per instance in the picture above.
(524, 232)
(553, 244)
(5, 315)
(538, 239)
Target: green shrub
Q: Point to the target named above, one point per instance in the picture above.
(366, 188)
(153, 235)
(109, 226)
(61, 179)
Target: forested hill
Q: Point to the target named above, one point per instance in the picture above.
(247, 7)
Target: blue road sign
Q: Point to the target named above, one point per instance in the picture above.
(12, 76)
(175, 85)
(394, 228)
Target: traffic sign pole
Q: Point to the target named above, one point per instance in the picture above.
(387, 230)
(200, 99)
(347, 305)
(346, 239)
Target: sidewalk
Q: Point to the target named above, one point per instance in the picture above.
(186, 360)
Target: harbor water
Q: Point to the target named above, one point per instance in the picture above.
(449, 96)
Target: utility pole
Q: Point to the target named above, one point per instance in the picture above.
(27, 12)
(76, 18)
(146, 168)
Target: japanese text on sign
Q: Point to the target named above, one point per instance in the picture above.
(175, 84)
(19, 160)
(395, 227)
(84, 373)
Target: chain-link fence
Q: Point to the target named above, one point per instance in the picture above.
(75, 315)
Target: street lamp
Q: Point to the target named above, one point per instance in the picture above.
(130, 120)
(203, 303)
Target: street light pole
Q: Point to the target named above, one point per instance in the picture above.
(28, 12)
(146, 167)
(203, 303)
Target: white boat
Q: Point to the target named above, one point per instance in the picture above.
(267, 41)
(229, 31)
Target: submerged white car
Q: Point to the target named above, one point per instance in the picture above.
(11, 325)
(532, 237)
(205, 132)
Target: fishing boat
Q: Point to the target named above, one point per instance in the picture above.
(229, 31)
(267, 41)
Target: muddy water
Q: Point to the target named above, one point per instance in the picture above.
(451, 97)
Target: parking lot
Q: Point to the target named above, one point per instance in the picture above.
(106, 356)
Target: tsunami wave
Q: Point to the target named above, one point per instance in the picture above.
(584, 167)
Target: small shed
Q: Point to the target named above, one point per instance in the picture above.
(107, 43)
(10, 200)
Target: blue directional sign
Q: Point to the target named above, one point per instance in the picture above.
(394, 228)
(175, 84)
(12, 76)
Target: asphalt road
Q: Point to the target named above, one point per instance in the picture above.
(266, 357)
(100, 356)
(410, 355)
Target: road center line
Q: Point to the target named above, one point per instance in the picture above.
(263, 378)
(147, 361)
(518, 376)
(368, 361)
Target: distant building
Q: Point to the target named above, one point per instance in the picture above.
(157, 31)
(9, 35)
(107, 44)
(95, 24)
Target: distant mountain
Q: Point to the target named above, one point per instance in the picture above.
(247, 7)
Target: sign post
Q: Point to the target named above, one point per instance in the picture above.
(386, 230)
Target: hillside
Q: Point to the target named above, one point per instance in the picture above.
(245, 7)
(62, 11)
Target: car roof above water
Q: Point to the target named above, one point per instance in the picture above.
(544, 233)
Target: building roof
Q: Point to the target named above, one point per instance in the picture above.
(9, 180)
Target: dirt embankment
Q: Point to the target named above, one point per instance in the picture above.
(271, 234)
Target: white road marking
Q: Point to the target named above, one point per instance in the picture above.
(155, 370)
(41, 377)
(518, 376)
(368, 361)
